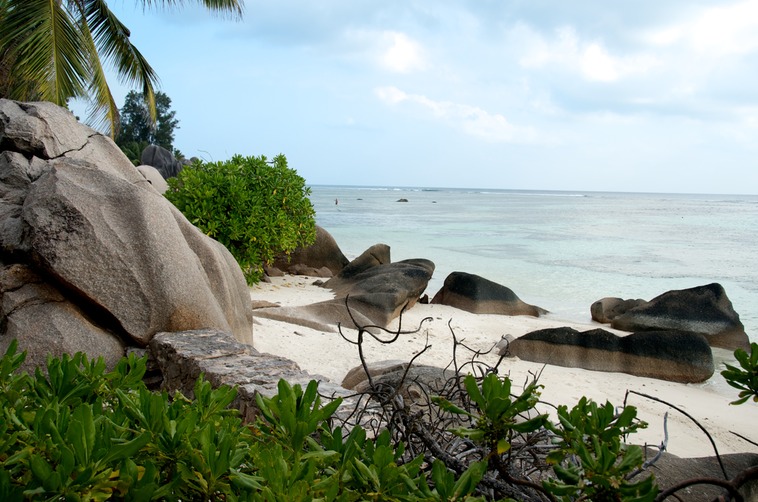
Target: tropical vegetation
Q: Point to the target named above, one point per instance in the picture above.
(56, 50)
(138, 129)
(745, 377)
(79, 432)
(258, 209)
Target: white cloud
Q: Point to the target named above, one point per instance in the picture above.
(391, 95)
(597, 64)
(590, 59)
(401, 54)
(472, 120)
(731, 29)
(389, 50)
(716, 32)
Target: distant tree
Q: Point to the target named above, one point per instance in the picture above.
(137, 130)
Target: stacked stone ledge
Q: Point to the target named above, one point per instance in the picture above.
(183, 356)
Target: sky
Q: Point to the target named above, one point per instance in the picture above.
(643, 96)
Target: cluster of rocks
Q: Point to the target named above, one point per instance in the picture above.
(671, 335)
(373, 290)
(94, 258)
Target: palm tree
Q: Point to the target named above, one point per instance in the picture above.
(54, 50)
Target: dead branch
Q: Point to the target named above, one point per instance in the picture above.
(710, 438)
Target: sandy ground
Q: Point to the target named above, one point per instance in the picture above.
(330, 356)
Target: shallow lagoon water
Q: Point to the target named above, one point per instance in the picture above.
(559, 250)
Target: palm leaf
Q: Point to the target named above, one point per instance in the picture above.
(103, 111)
(111, 37)
(47, 49)
(233, 7)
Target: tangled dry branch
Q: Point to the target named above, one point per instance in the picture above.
(406, 405)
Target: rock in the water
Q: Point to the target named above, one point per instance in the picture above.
(478, 295)
(311, 260)
(77, 212)
(667, 355)
(704, 309)
(162, 160)
(607, 309)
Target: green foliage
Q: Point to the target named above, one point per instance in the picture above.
(257, 209)
(499, 416)
(80, 432)
(447, 487)
(744, 378)
(591, 462)
(138, 127)
(133, 150)
(83, 433)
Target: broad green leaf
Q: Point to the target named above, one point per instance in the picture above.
(469, 480)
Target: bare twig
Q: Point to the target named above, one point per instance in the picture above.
(713, 443)
(744, 438)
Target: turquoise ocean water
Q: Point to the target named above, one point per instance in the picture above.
(559, 250)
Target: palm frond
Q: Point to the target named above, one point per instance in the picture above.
(233, 7)
(47, 49)
(111, 37)
(103, 111)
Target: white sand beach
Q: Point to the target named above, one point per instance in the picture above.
(329, 355)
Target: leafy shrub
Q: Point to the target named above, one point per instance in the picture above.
(591, 462)
(81, 433)
(257, 209)
(744, 378)
(498, 416)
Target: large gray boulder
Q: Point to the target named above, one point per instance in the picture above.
(667, 355)
(182, 357)
(368, 291)
(478, 295)
(30, 308)
(704, 309)
(381, 292)
(162, 160)
(378, 254)
(80, 215)
(311, 260)
(153, 177)
(414, 384)
(670, 470)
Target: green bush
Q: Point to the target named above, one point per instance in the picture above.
(80, 432)
(592, 463)
(744, 378)
(256, 208)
